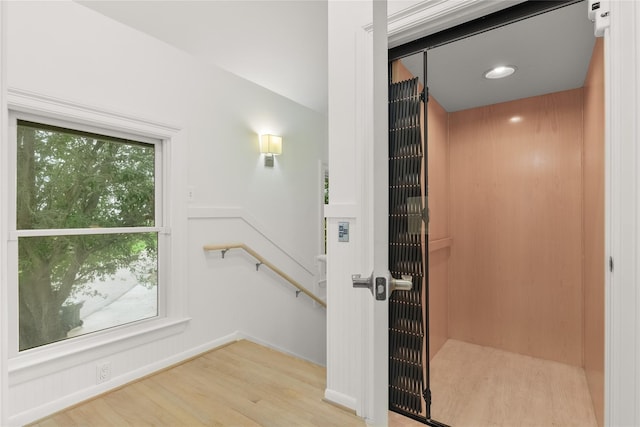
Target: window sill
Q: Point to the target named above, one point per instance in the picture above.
(63, 355)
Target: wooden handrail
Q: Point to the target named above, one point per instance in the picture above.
(435, 245)
(285, 276)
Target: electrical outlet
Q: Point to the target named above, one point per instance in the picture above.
(103, 372)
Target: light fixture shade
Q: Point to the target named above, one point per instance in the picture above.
(500, 72)
(271, 144)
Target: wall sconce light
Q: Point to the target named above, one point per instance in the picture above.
(270, 145)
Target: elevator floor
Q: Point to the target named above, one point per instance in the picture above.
(476, 386)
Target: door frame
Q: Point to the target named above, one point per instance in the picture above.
(622, 215)
(372, 152)
(622, 197)
(622, 192)
(376, 212)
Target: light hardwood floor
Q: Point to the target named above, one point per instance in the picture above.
(476, 386)
(245, 384)
(242, 384)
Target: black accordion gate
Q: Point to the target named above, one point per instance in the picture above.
(409, 392)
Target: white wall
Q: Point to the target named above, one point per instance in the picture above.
(66, 51)
(345, 329)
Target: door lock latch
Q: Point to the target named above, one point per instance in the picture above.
(362, 282)
(404, 284)
(378, 286)
(381, 288)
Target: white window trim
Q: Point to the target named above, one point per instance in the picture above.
(171, 319)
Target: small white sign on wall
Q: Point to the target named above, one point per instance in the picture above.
(343, 232)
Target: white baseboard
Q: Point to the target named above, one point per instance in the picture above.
(245, 336)
(341, 399)
(40, 412)
(72, 399)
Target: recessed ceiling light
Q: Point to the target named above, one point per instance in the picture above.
(500, 72)
(515, 119)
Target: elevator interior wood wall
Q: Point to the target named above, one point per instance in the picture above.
(438, 152)
(516, 223)
(594, 257)
(521, 206)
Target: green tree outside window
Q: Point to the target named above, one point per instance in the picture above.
(71, 180)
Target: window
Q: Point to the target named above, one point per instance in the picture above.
(88, 224)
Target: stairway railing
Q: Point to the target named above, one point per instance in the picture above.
(262, 261)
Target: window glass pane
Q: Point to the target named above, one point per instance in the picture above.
(73, 285)
(71, 179)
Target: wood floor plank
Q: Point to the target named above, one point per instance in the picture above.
(59, 421)
(296, 368)
(245, 384)
(476, 386)
(103, 408)
(195, 399)
(242, 384)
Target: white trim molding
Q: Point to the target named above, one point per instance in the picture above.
(622, 215)
(4, 213)
(430, 16)
(42, 104)
(341, 210)
(342, 399)
(58, 356)
(253, 222)
(90, 392)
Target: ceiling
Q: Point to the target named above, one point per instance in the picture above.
(551, 52)
(282, 45)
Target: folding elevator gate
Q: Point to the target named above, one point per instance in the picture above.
(409, 392)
